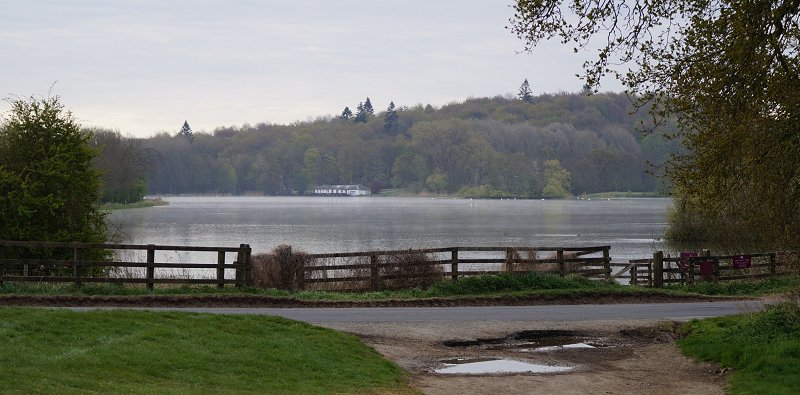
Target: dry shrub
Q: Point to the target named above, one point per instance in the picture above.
(282, 268)
(512, 263)
(788, 262)
(413, 270)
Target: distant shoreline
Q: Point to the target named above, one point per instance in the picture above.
(140, 204)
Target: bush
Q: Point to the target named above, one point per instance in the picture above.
(413, 270)
(282, 268)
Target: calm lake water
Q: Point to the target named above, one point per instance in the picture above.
(632, 227)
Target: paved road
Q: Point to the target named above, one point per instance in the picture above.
(657, 311)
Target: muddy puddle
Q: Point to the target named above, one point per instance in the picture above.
(534, 341)
(495, 366)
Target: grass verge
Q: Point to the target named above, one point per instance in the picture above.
(63, 351)
(774, 285)
(514, 285)
(763, 348)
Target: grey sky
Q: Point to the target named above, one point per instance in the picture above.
(146, 66)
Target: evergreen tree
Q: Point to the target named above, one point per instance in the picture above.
(361, 114)
(368, 107)
(346, 113)
(586, 90)
(390, 121)
(49, 188)
(186, 131)
(525, 93)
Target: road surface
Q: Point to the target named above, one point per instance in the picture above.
(584, 312)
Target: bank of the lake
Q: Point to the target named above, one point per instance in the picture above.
(140, 204)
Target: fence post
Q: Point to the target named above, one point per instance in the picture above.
(374, 279)
(248, 273)
(151, 270)
(561, 267)
(772, 263)
(2, 264)
(239, 262)
(658, 269)
(221, 269)
(607, 263)
(454, 264)
(635, 275)
(76, 266)
(715, 272)
(510, 260)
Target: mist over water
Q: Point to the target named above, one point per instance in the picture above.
(632, 227)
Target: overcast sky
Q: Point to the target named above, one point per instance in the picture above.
(145, 66)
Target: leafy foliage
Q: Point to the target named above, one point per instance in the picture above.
(500, 143)
(49, 188)
(124, 164)
(726, 72)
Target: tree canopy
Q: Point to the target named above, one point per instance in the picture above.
(726, 72)
(49, 188)
(482, 147)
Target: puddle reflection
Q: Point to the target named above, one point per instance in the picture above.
(495, 365)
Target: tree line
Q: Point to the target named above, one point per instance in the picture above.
(543, 146)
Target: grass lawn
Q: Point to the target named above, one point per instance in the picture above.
(515, 285)
(62, 351)
(496, 285)
(774, 285)
(762, 348)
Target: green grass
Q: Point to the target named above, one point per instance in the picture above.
(498, 285)
(762, 348)
(62, 351)
(775, 285)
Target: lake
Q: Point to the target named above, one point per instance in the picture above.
(632, 227)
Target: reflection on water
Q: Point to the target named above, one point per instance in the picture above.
(632, 227)
(496, 366)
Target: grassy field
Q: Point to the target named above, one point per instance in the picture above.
(61, 351)
(762, 348)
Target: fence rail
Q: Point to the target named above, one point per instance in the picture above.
(373, 270)
(57, 270)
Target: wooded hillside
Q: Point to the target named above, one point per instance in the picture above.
(491, 147)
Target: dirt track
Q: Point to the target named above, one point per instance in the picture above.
(638, 360)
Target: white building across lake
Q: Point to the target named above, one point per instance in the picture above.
(341, 190)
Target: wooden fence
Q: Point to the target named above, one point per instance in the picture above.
(78, 270)
(660, 270)
(374, 270)
(378, 269)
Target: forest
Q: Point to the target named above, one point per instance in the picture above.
(547, 146)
